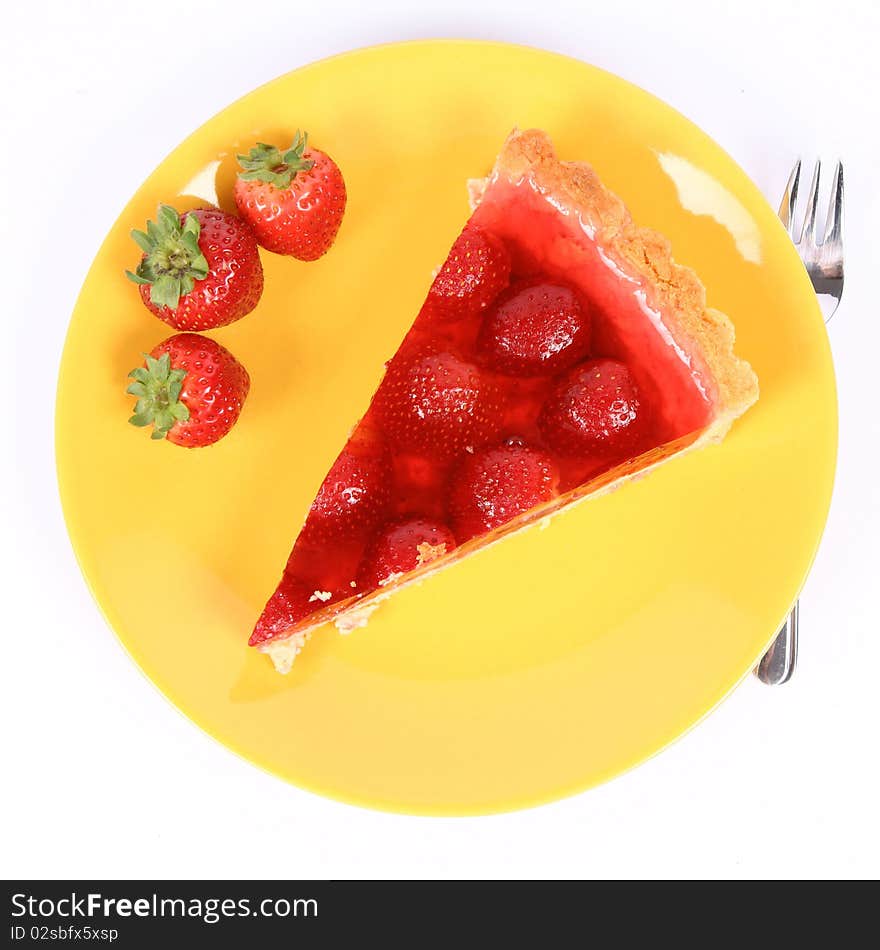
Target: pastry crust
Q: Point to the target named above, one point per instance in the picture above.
(700, 330)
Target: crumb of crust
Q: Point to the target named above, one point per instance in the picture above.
(354, 619)
(353, 584)
(322, 595)
(430, 552)
(284, 652)
(391, 578)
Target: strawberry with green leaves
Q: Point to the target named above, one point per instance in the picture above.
(190, 390)
(294, 200)
(199, 270)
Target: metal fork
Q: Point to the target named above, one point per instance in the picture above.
(824, 263)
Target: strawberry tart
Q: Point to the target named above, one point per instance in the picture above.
(560, 352)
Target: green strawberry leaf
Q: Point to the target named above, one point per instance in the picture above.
(173, 262)
(169, 219)
(165, 292)
(136, 278)
(180, 412)
(158, 387)
(164, 365)
(142, 241)
(268, 164)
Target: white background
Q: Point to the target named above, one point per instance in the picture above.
(102, 777)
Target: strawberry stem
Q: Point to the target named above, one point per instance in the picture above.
(269, 164)
(173, 260)
(157, 387)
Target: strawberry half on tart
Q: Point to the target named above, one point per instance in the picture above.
(560, 352)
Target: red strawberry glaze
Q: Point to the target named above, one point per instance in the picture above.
(352, 502)
(594, 409)
(627, 325)
(436, 403)
(354, 496)
(494, 485)
(401, 547)
(536, 328)
(468, 432)
(294, 599)
(475, 272)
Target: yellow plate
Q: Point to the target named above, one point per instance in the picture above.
(558, 658)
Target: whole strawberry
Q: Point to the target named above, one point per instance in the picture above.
(199, 270)
(293, 200)
(352, 498)
(475, 272)
(497, 484)
(595, 409)
(402, 547)
(434, 402)
(537, 328)
(190, 390)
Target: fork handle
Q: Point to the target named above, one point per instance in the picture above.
(778, 663)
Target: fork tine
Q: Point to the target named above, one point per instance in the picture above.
(808, 234)
(786, 208)
(834, 221)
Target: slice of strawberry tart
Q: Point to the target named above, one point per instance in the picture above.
(560, 351)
